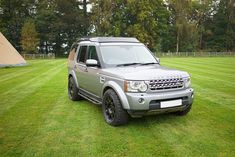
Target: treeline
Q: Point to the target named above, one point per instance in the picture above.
(164, 25)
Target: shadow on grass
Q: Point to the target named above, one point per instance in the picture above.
(145, 121)
(153, 119)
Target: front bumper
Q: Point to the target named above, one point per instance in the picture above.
(151, 103)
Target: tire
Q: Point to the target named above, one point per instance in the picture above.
(73, 90)
(112, 109)
(184, 112)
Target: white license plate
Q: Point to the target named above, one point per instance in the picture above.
(171, 103)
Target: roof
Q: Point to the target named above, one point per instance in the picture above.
(110, 39)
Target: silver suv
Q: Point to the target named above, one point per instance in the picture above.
(125, 78)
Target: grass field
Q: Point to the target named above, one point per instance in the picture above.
(38, 119)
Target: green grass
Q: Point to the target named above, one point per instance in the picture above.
(38, 119)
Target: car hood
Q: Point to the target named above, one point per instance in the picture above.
(148, 72)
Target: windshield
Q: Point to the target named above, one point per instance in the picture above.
(114, 55)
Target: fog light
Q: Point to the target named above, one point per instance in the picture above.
(141, 100)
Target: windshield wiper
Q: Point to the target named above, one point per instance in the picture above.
(149, 63)
(127, 64)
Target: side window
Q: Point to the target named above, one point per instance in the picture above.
(82, 54)
(92, 53)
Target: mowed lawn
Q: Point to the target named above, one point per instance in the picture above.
(38, 119)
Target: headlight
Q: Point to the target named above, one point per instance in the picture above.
(187, 82)
(135, 86)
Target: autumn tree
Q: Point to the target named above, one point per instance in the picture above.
(13, 13)
(29, 37)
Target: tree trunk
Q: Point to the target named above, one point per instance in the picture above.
(85, 17)
(85, 8)
(200, 41)
(46, 48)
(177, 42)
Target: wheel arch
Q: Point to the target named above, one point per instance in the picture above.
(73, 74)
(114, 86)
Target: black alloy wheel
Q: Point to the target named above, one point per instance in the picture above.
(109, 108)
(112, 109)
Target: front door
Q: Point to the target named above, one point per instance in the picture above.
(94, 86)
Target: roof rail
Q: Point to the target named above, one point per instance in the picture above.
(83, 39)
(109, 39)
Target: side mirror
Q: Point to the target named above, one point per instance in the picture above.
(158, 60)
(91, 63)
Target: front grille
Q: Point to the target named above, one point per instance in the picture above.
(161, 84)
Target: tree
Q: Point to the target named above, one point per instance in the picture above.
(13, 13)
(163, 25)
(223, 27)
(202, 11)
(60, 23)
(184, 26)
(143, 23)
(29, 37)
(101, 17)
(141, 19)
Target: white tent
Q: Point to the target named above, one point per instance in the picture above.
(8, 54)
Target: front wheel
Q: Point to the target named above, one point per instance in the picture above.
(112, 109)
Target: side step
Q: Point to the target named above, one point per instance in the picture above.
(90, 99)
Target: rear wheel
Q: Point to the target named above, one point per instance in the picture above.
(73, 90)
(112, 109)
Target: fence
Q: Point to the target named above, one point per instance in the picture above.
(195, 54)
(158, 54)
(39, 56)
